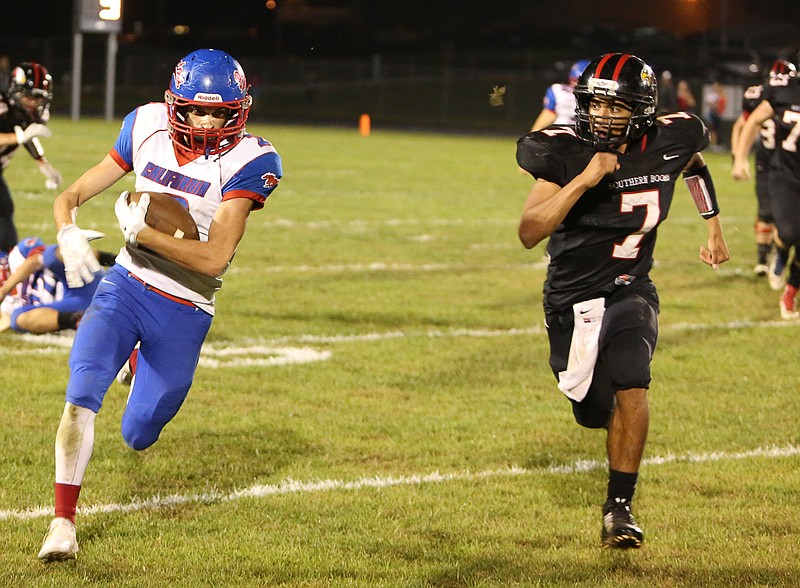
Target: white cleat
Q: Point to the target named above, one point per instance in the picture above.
(125, 375)
(60, 544)
(776, 281)
(128, 371)
(761, 269)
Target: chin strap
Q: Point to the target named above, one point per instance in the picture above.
(701, 187)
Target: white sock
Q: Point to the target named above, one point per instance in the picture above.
(74, 444)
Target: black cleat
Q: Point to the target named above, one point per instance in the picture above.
(620, 529)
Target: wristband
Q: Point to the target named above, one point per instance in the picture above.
(701, 187)
(19, 134)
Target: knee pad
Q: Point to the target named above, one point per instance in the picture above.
(137, 436)
(140, 430)
(591, 417)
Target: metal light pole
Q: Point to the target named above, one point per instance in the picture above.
(95, 16)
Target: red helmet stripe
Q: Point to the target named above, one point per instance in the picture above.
(623, 58)
(602, 63)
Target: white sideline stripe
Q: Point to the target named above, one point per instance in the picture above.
(290, 486)
(380, 266)
(61, 343)
(437, 222)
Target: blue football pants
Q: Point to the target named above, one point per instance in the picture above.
(125, 312)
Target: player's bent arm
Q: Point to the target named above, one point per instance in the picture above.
(209, 258)
(548, 203)
(31, 265)
(545, 119)
(741, 166)
(695, 162)
(93, 181)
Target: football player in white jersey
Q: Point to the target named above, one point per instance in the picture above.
(34, 295)
(194, 146)
(558, 104)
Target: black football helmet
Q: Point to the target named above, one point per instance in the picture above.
(779, 73)
(618, 77)
(30, 89)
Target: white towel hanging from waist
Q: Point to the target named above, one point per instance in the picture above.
(583, 349)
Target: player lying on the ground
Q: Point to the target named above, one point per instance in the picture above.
(35, 297)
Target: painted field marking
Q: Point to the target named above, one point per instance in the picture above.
(284, 350)
(290, 486)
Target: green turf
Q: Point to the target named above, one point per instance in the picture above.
(398, 255)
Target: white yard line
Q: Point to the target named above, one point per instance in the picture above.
(290, 486)
(281, 350)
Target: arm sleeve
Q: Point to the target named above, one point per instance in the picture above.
(256, 180)
(123, 148)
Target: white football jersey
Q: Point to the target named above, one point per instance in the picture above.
(251, 169)
(41, 287)
(560, 99)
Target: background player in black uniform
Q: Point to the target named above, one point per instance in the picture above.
(24, 112)
(781, 103)
(764, 149)
(601, 190)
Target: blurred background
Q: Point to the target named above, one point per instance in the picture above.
(410, 64)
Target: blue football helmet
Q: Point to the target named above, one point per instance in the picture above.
(208, 78)
(576, 70)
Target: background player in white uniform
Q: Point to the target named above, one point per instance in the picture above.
(195, 147)
(558, 104)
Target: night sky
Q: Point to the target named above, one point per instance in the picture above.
(364, 26)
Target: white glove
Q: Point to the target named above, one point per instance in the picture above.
(131, 216)
(80, 262)
(32, 130)
(92, 235)
(52, 174)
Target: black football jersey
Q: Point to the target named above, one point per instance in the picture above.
(607, 238)
(11, 117)
(765, 147)
(785, 101)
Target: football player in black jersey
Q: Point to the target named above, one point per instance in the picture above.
(24, 112)
(770, 265)
(781, 103)
(602, 188)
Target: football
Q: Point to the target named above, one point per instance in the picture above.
(167, 215)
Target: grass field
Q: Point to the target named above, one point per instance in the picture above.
(374, 406)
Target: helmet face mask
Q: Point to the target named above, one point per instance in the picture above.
(30, 89)
(624, 83)
(207, 81)
(608, 119)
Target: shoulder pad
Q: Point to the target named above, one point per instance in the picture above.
(683, 128)
(537, 151)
